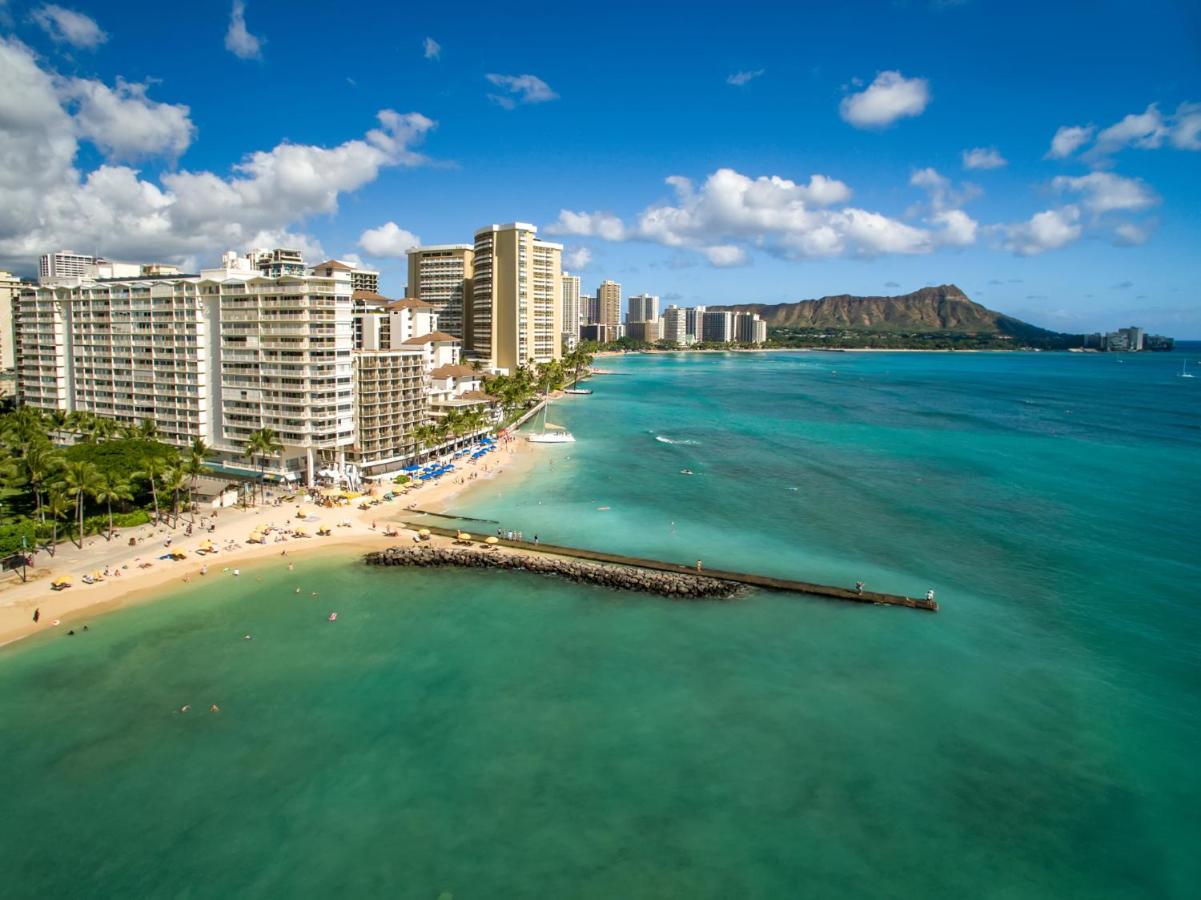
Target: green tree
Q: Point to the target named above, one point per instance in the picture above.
(79, 478)
(109, 488)
(152, 472)
(175, 479)
(262, 445)
(58, 505)
(39, 466)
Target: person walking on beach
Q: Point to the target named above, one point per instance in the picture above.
(37, 614)
(858, 587)
(698, 565)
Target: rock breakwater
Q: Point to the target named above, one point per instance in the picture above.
(674, 585)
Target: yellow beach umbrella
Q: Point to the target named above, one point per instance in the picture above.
(424, 532)
(61, 581)
(300, 532)
(492, 540)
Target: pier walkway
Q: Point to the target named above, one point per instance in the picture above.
(760, 581)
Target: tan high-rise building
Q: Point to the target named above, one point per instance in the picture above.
(441, 275)
(608, 296)
(516, 299)
(10, 287)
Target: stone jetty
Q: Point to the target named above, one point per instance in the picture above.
(675, 585)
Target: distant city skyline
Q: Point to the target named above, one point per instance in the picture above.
(1045, 160)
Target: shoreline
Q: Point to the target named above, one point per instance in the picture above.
(612, 353)
(364, 532)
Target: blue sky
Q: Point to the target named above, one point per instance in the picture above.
(812, 149)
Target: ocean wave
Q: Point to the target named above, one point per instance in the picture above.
(664, 439)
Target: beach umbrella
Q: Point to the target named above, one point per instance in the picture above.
(424, 532)
(61, 581)
(464, 536)
(492, 540)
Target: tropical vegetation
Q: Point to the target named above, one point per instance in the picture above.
(67, 475)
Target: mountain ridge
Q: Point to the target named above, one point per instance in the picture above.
(930, 309)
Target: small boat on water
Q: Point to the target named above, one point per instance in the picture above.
(687, 472)
(1184, 372)
(550, 434)
(578, 391)
(551, 437)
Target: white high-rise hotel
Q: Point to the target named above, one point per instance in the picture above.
(342, 375)
(217, 356)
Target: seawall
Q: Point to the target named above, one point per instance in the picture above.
(674, 585)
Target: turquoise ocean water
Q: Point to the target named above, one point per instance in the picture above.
(487, 735)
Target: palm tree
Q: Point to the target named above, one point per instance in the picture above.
(38, 465)
(175, 479)
(57, 506)
(151, 472)
(58, 419)
(79, 478)
(110, 487)
(148, 430)
(262, 444)
(425, 436)
(193, 467)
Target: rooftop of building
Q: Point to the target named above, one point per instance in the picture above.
(454, 371)
(334, 264)
(440, 247)
(431, 338)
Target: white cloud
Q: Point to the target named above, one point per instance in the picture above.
(983, 158)
(432, 49)
(50, 202)
(520, 89)
(955, 227)
(1046, 230)
(126, 124)
(1068, 139)
(238, 39)
(890, 97)
(1186, 135)
(725, 255)
(942, 194)
(388, 240)
(66, 26)
(598, 224)
(1148, 130)
(738, 79)
(1131, 235)
(577, 258)
(730, 211)
(1103, 192)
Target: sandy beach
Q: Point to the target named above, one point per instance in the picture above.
(136, 581)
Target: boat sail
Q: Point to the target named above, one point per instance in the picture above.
(550, 433)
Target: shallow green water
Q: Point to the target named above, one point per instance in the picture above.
(508, 736)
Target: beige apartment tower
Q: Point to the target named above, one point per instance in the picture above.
(516, 300)
(441, 275)
(608, 298)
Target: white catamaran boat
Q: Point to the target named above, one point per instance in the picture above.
(1184, 372)
(550, 434)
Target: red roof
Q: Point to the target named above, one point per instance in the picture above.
(431, 338)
